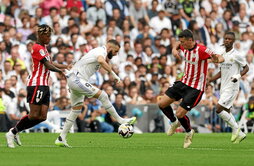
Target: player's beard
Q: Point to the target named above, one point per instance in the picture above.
(110, 55)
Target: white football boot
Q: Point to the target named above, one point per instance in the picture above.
(188, 139)
(10, 139)
(173, 127)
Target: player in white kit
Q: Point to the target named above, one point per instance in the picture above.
(230, 74)
(79, 86)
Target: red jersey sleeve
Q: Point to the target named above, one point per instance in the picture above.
(205, 53)
(38, 52)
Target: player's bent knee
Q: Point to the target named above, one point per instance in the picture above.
(161, 105)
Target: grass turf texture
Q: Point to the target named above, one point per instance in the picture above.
(99, 149)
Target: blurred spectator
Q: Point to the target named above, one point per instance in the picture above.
(47, 4)
(154, 9)
(3, 118)
(233, 6)
(249, 60)
(250, 108)
(61, 104)
(159, 22)
(186, 9)
(208, 99)
(25, 30)
(15, 58)
(97, 12)
(154, 83)
(226, 20)
(248, 5)
(214, 45)
(149, 97)
(206, 31)
(137, 11)
(133, 96)
(119, 4)
(21, 84)
(31, 5)
(243, 19)
(7, 70)
(75, 3)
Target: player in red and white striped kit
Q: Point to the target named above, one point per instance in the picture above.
(191, 87)
(38, 93)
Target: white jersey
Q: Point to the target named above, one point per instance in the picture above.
(231, 66)
(88, 64)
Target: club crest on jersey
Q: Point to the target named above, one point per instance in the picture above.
(231, 60)
(42, 52)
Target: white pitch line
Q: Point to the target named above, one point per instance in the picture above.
(204, 149)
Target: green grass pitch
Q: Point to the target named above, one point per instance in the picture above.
(99, 149)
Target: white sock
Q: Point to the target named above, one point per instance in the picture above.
(110, 108)
(69, 122)
(113, 113)
(229, 119)
(232, 121)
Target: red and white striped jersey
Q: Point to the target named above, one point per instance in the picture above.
(40, 73)
(195, 70)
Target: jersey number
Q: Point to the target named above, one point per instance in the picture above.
(39, 95)
(88, 85)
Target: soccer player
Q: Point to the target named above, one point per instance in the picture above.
(230, 74)
(38, 93)
(192, 84)
(79, 86)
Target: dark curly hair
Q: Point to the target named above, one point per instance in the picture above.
(44, 29)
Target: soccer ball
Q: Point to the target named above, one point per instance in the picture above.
(126, 130)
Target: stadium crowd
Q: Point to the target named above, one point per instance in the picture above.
(146, 30)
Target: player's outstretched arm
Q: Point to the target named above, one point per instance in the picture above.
(106, 66)
(215, 77)
(62, 66)
(217, 58)
(52, 67)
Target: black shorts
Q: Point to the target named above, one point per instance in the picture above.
(38, 95)
(190, 96)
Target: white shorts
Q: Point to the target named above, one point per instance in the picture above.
(79, 88)
(227, 98)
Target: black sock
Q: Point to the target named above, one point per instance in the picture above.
(168, 111)
(185, 122)
(25, 123)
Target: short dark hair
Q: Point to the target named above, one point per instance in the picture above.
(53, 8)
(230, 33)
(186, 34)
(112, 41)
